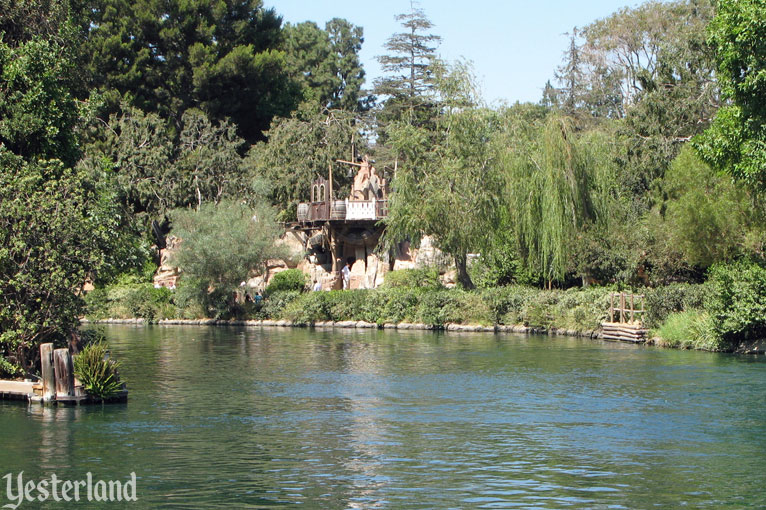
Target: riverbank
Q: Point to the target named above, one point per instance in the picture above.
(757, 347)
(684, 316)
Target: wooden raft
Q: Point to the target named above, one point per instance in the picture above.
(626, 319)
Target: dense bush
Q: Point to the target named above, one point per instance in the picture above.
(273, 305)
(427, 277)
(140, 300)
(289, 280)
(572, 309)
(737, 302)
(676, 297)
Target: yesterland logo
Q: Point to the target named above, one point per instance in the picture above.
(58, 490)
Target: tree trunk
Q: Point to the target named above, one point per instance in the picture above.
(463, 278)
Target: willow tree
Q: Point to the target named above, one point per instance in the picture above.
(554, 183)
(451, 189)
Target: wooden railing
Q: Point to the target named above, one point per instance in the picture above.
(626, 310)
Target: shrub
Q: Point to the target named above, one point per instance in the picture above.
(97, 373)
(427, 277)
(273, 305)
(689, 329)
(308, 308)
(288, 280)
(676, 297)
(737, 301)
(129, 300)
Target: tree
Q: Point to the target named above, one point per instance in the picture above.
(651, 67)
(221, 244)
(168, 56)
(409, 85)
(326, 64)
(299, 151)
(37, 110)
(736, 141)
(156, 172)
(58, 229)
(59, 226)
(708, 218)
(451, 191)
(553, 183)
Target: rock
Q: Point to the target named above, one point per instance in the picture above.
(366, 325)
(293, 242)
(345, 324)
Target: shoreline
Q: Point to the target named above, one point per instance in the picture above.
(756, 347)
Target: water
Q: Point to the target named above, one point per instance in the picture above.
(250, 418)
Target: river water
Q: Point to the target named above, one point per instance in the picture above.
(268, 418)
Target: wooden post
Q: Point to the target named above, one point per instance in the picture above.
(329, 165)
(64, 370)
(632, 307)
(611, 307)
(622, 307)
(48, 375)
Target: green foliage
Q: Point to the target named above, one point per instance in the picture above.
(408, 84)
(427, 277)
(273, 305)
(156, 172)
(290, 279)
(707, 217)
(55, 233)
(737, 301)
(38, 112)
(299, 151)
(169, 56)
(662, 301)
(98, 374)
(574, 309)
(736, 141)
(326, 64)
(458, 175)
(221, 245)
(129, 300)
(689, 329)
(678, 297)
(556, 180)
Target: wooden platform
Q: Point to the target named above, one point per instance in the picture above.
(624, 331)
(16, 390)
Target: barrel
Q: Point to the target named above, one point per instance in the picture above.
(338, 210)
(303, 211)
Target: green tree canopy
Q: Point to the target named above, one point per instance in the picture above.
(221, 244)
(301, 150)
(451, 191)
(736, 141)
(408, 86)
(326, 63)
(169, 56)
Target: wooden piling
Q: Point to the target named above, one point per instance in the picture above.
(64, 372)
(47, 371)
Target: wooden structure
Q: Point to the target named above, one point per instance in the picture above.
(626, 318)
(336, 227)
(57, 384)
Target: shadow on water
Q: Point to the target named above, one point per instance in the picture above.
(263, 418)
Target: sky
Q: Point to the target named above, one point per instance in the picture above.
(515, 45)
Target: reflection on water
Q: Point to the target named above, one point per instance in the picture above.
(229, 417)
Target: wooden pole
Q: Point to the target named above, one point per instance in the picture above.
(64, 371)
(48, 375)
(611, 307)
(632, 308)
(622, 307)
(330, 172)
